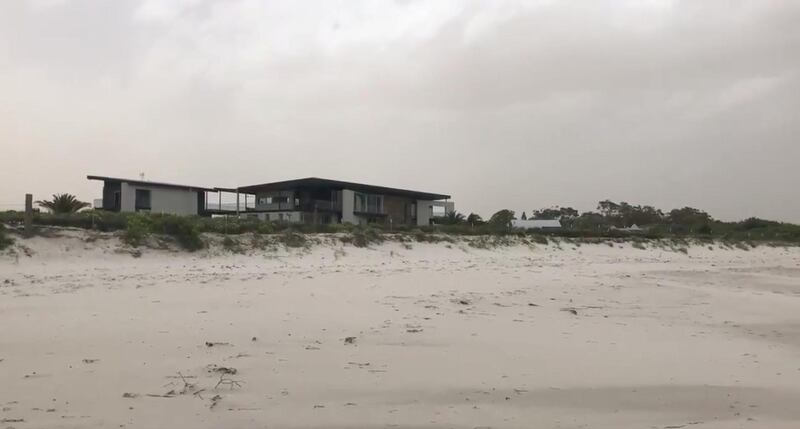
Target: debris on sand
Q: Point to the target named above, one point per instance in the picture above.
(130, 395)
(228, 382)
(463, 302)
(350, 340)
(414, 330)
(530, 304)
(216, 343)
(88, 361)
(213, 368)
(214, 401)
(570, 310)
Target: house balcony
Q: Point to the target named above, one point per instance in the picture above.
(320, 206)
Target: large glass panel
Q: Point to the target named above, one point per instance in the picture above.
(142, 199)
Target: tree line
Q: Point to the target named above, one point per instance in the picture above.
(609, 215)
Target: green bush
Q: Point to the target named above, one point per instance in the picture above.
(187, 229)
(265, 227)
(364, 236)
(183, 229)
(231, 244)
(539, 239)
(5, 240)
(289, 238)
(137, 231)
(424, 237)
(87, 219)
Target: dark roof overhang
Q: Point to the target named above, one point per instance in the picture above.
(315, 182)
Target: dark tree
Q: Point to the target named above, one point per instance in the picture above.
(452, 218)
(502, 219)
(474, 219)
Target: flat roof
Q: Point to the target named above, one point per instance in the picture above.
(153, 184)
(310, 182)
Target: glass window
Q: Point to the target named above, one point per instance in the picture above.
(368, 203)
(142, 199)
(360, 203)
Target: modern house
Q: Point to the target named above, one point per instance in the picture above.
(311, 200)
(128, 195)
(318, 201)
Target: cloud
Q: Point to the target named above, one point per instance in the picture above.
(502, 104)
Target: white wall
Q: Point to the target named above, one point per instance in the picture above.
(348, 205)
(127, 198)
(162, 200)
(173, 201)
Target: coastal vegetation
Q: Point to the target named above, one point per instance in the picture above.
(607, 222)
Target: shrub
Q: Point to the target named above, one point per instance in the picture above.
(231, 244)
(5, 240)
(424, 237)
(363, 237)
(482, 242)
(137, 231)
(184, 229)
(539, 239)
(265, 227)
(292, 239)
(87, 219)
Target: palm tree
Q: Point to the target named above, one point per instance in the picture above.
(63, 203)
(452, 218)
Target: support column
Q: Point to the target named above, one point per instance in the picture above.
(28, 214)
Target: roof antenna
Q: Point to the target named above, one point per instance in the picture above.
(141, 176)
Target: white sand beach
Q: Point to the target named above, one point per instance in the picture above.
(421, 335)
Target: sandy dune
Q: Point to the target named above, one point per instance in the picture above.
(443, 336)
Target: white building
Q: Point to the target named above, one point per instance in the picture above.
(127, 195)
(536, 224)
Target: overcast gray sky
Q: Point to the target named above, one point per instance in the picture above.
(502, 104)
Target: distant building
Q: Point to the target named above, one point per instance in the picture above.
(128, 195)
(310, 200)
(319, 201)
(632, 228)
(536, 224)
